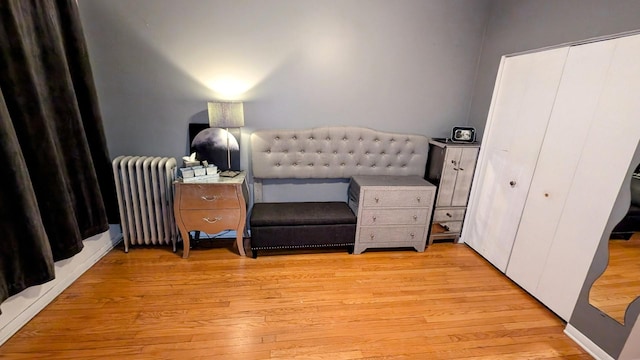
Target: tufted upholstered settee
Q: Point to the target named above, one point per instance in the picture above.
(322, 153)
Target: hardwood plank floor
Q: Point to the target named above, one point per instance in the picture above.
(445, 303)
(619, 285)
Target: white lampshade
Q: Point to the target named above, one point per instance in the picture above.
(226, 114)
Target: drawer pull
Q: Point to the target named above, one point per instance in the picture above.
(418, 198)
(448, 215)
(412, 235)
(377, 200)
(373, 218)
(372, 236)
(455, 163)
(210, 221)
(446, 227)
(415, 217)
(210, 197)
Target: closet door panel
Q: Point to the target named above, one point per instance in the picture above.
(576, 101)
(606, 156)
(520, 109)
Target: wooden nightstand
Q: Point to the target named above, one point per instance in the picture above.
(211, 207)
(393, 211)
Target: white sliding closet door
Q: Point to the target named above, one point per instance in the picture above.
(611, 142)
(522, 102)
(578, 96)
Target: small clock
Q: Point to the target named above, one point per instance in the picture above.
(465, 134)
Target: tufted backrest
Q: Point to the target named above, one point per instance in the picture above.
(336, 152)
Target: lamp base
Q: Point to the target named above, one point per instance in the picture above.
(233, 159)
(229, 173)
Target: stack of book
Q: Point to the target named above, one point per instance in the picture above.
(199, 173)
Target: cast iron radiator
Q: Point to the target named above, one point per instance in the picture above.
(144, 186)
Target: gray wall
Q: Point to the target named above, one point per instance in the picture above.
(520, 25)
(405, 65)
(402, 65)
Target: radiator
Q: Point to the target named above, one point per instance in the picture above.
(144, 186)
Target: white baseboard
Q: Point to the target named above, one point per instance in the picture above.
(585, 343)
(20, 308)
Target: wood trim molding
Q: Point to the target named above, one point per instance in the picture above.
(585, 343)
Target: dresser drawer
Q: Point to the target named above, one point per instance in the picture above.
(397, 198)
(448, 214)
(408, 216)
(446, 227)
(210, 221)
(203, 196)
(404, 236)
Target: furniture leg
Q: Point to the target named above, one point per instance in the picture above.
(186, 244)
(240, 241)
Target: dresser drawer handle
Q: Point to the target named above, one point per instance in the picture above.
(448, 215)
(412, 235)
(418, 198)
(372, 236)
(377, 200)
(415, 217)
(210, 197)
(210, 221)
(373, 218)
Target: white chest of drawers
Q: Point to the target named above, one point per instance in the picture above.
(393, 211)
(450, 167)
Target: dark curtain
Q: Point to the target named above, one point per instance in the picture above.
(57, 179)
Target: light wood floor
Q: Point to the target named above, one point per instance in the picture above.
(619, 285)
(445, 303)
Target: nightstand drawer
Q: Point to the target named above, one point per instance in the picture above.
(211, 221)
(397, 198)
(415, 216)
(448, 214)
(211, 207)
(197, 196)
(390, 235)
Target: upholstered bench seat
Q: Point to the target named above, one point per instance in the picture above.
(293, 225)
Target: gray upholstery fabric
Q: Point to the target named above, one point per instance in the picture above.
(336, 152)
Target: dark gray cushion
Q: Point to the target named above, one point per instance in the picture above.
(301, 213)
